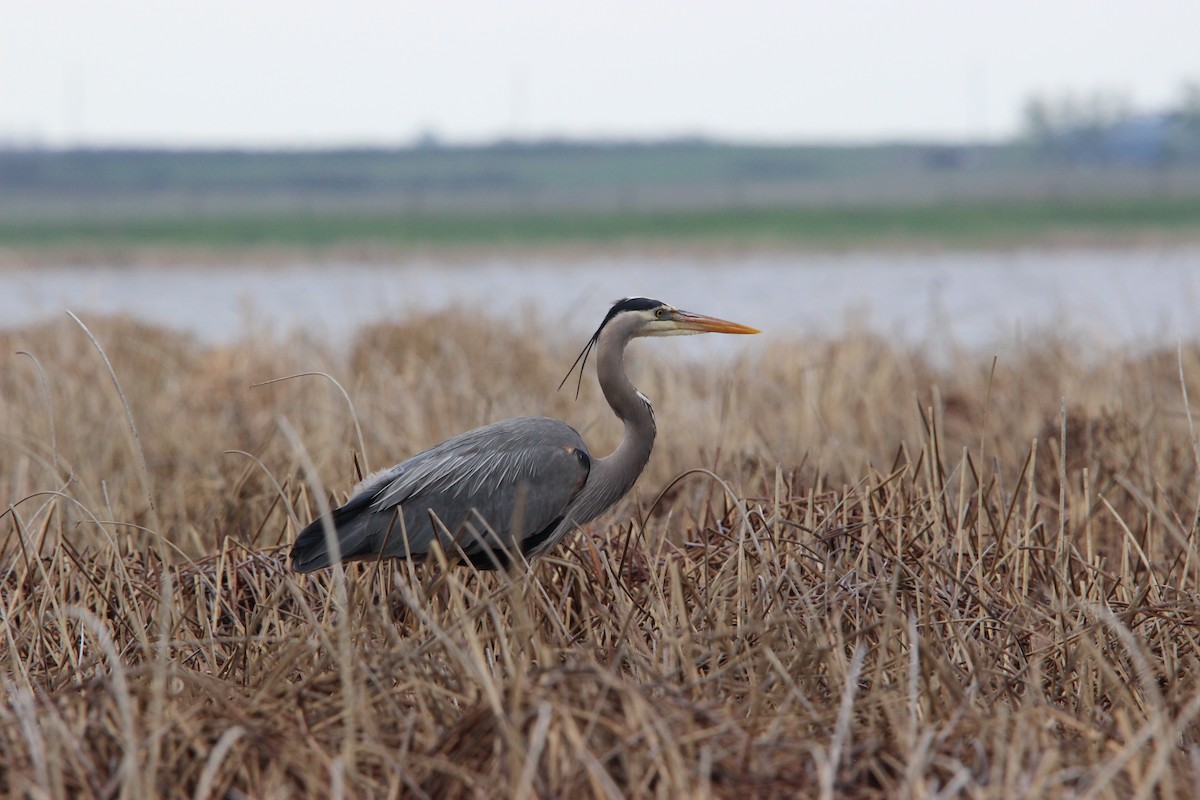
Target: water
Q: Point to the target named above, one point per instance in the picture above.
(978, 299)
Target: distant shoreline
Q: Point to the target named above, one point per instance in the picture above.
(17, 259)
(381, 238)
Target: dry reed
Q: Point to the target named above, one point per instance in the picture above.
(845, 573)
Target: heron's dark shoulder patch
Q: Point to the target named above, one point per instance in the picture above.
(582, 457)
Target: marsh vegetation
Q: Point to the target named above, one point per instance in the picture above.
(846, 572)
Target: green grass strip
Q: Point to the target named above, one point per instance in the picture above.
(960, 224)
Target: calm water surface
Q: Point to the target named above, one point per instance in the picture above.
(981, 300)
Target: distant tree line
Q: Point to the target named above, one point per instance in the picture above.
(1103, 127)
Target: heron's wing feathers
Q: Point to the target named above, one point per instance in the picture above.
(489, 489)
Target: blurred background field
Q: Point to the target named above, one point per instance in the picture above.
(933, 534)
(536, 194)
(1080, 167)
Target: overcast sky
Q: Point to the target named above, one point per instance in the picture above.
(310, 73)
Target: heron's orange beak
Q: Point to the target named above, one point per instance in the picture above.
(688, 321)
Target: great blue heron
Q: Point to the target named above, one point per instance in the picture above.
(511, 487)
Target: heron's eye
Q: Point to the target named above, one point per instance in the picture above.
(658, 312)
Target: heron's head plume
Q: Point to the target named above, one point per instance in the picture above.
(642, 316)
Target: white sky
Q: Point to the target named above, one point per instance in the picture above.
(308, 73)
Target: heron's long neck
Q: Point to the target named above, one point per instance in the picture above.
(614, 475)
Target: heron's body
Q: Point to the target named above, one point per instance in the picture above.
(533, 467)
(512, 487)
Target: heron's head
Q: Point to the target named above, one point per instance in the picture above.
(641, 316)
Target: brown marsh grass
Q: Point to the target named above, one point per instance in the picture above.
(845, 573)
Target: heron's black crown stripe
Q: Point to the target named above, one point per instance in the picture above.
(630, 304)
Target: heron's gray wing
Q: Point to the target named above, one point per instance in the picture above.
(484, 492)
